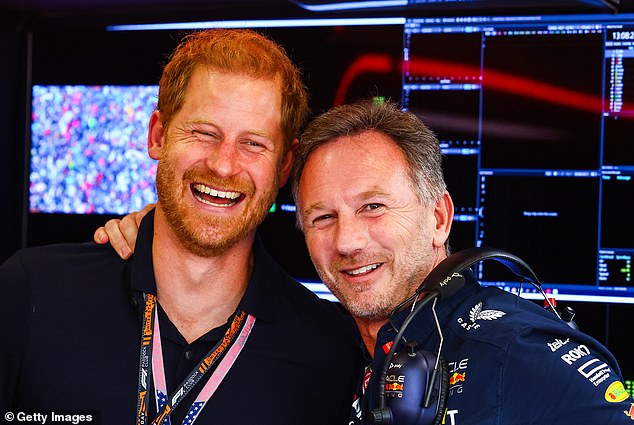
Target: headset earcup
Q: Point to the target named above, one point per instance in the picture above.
(443, 395)
(412, 377)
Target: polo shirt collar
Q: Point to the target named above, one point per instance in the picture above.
(424, 325)
(261, 298)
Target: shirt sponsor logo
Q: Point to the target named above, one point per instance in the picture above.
(449, 417)
(459, 365)
(594, 370)
(616, 392)
(595, 373)
(476, 313)
(457, 377)
(458, 371)
(557, 344)
(394, 386)
(575, 354)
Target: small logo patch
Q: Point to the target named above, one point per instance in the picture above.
(616, 393)
(476, 313)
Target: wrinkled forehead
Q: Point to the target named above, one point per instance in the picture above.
(355, 164)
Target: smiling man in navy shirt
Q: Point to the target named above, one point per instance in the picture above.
(200, 324)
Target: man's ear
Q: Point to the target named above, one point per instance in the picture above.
(156, 136)
(443, 213)
(287, 163)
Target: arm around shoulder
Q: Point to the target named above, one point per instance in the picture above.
(122, 233)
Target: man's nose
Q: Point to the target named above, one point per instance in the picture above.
(352, 234)
(224, 158)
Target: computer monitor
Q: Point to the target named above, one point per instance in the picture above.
(534, 115)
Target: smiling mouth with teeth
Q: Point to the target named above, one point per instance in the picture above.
(216, 198)
(363, 270)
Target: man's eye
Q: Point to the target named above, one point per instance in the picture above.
(254, 144)
(204, 133)
(371, 207)
(321, 219)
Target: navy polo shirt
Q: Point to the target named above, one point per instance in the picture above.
(70, 327)
(510, 362)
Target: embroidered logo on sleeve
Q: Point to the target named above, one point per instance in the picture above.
(476, 314)
(616, 393)
(590, 367)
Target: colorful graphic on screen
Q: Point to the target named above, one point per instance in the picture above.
(89, 149)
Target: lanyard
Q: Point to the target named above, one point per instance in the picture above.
(151, 363)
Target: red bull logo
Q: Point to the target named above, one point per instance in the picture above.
(394, 386)
(457, 377)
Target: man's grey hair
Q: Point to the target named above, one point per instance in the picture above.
(417, 141)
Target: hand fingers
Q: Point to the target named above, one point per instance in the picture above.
(129, 228)
(100, 236)
(122, 233)
(117, 238)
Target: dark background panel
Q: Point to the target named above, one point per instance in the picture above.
(522, 105)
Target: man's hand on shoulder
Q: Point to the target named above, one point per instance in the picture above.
(122, 233)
